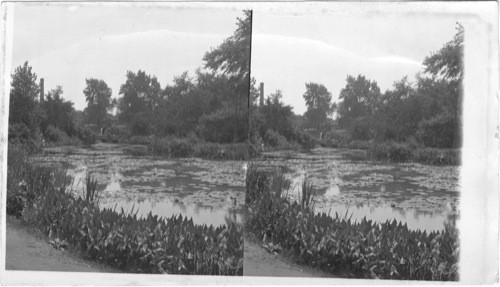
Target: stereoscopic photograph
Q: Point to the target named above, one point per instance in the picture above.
(127, 138)
(250, 143)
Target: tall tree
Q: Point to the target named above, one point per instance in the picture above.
(446, 67)
(319, 104)
(277, 115)
(58, 112)
(24, 97)
(360, 100)
(141, 96)
(232, 58)
(99, 103)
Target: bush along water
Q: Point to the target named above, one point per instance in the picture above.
(148, 245)
(402, 152)
(362, 249)
(193, 147)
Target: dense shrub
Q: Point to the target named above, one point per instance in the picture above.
(437, 156)
(116, 134)
(172, 147)
(437, 131)
(20, 134)
(223, 126)
(335, 139)
(359, 144)
(221, 151)
(274, 139)
(410, 151)
(305, 140)
(86, 136)
(193, 147)
(390, 151)
(362, 249)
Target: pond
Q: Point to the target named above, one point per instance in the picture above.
(422, 196)
(209, 192)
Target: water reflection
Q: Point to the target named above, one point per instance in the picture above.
(377, 200)
(414, 218)
(166, 207)
(211, 204)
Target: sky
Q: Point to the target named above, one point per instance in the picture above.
(292, 49)
(66, 43)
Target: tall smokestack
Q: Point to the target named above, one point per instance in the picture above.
(41, 90)
(261, 90)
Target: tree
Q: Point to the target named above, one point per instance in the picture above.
(99, 103)
(23, 106)
(181, 108)
(277, 116)
(319, 104)
(232, 58)
(141, 96)
(360, 100)
(446, 68)
(399, 112)
(58, 112)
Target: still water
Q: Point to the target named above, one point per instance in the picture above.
(209, 192)
(423, 197)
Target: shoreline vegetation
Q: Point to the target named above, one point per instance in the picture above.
(40, 197)
(336, 245)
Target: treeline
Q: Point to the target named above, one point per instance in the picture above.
(34, 119)
(211, 106)
(428, 111)
(425, 113)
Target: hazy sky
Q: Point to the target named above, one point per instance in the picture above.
(67, 43)
(291, 49)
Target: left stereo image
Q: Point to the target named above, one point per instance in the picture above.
(127, 138)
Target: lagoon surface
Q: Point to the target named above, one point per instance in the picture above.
(210, 192)
(422, 196)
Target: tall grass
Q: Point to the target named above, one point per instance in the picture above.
(364, 249)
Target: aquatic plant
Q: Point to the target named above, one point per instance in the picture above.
(91, 190)
(363, 249)
(151, 244)
(306, 196)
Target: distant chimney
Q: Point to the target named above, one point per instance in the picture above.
(41, 90)
(261, 91)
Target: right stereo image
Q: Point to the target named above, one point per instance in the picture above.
(356, 136)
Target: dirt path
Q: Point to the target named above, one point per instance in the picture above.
(258, 262)
(29, 250)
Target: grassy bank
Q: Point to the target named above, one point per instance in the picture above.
(175, 245)
(362, 249)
